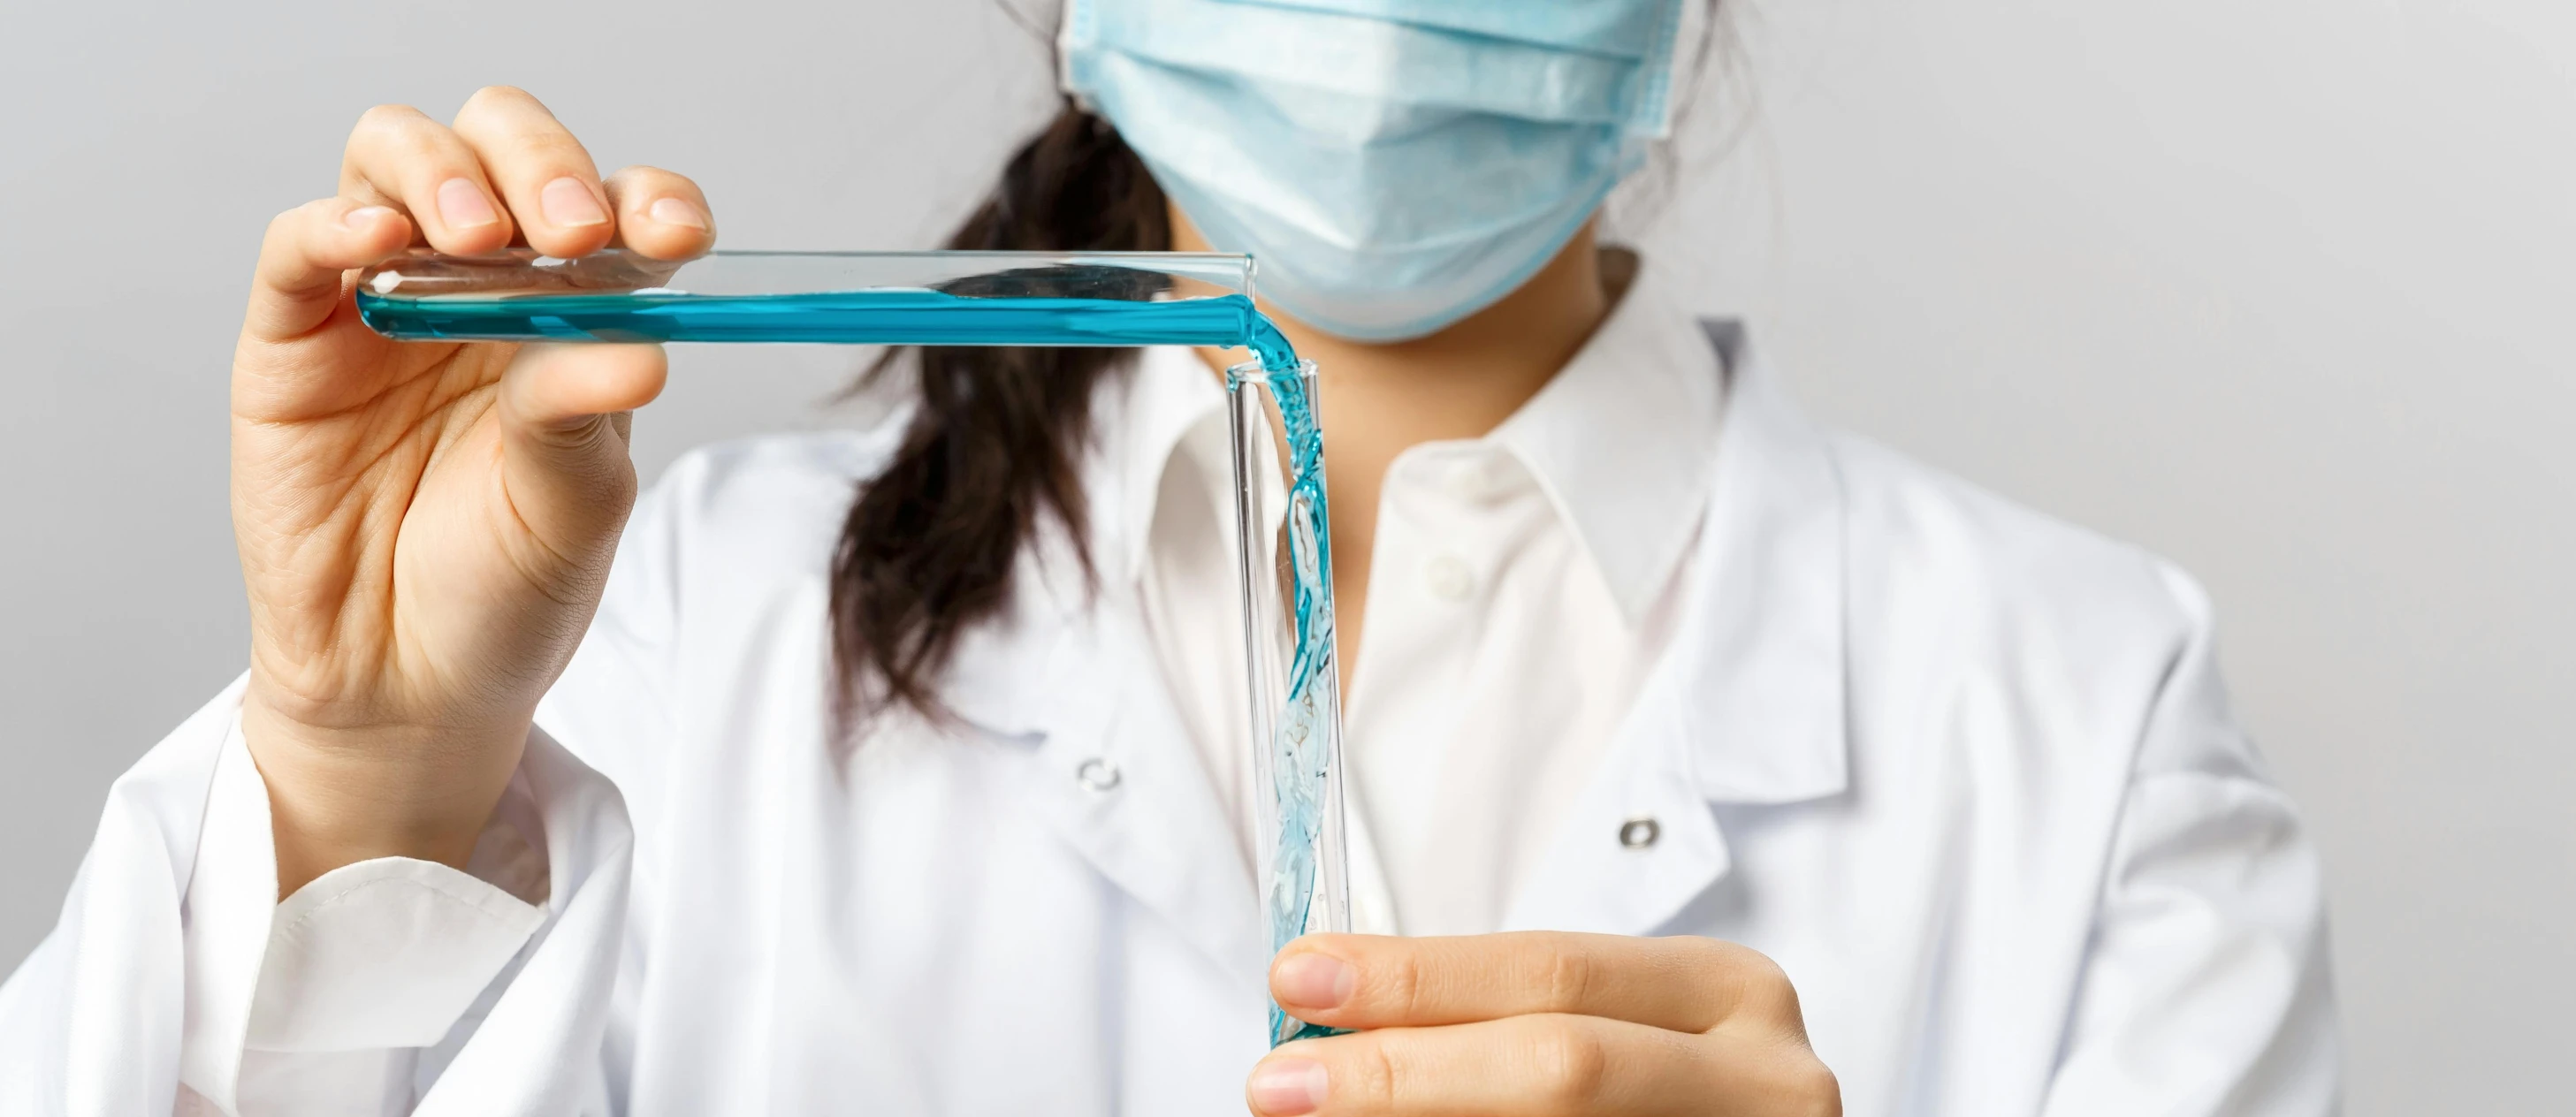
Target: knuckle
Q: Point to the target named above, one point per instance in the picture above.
(1370, 1081)
(1571, 1062)
(387, 116)
(543, 149)
(284, 228)
(1757, 968)
(1814, 1088)
(554, 146)
(399, 132)
(1567, 974)
(1750, 979)
(1828, 1092)
(639, 178)
(496, 96)
(507, 117)
(419, 145)
(1764, 978)
(1701, 950)
(387, 128)
(1401, 985)
(1715, 952)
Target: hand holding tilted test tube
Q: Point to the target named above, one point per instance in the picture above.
(425, 529)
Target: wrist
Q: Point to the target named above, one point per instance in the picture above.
(339, 795)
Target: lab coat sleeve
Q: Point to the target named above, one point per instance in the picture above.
(326, 1001)
(176, 982)
(2206, 988)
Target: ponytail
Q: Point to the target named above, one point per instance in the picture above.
(928, 547)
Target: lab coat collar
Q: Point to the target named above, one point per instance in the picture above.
(1622, 437)
(1761, 672)
(1747, 708)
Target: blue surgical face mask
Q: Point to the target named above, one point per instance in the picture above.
(1394, 165)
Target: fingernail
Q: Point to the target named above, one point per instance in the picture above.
(569, 204)
(365, 216)
(673, 211)
(1312, 981)
(1288, 1087)
(461, 205)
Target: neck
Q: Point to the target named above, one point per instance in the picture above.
(1461, 382)
(1377, 400)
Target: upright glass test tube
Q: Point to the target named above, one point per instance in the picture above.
(1283, 543)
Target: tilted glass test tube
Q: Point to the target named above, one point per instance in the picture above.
(1283, 538)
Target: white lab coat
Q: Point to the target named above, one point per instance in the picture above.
(1965, 772)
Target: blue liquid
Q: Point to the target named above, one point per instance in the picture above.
(843, 318)
(1309, 719)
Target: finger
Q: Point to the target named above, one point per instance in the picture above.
(563, 442)
(397, 157)
(1687, 983)
(545, 174)
(304, 258)
(660, 214)
(1524, 1066)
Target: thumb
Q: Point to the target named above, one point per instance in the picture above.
(564, 462)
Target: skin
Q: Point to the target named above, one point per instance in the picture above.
(1540, 1024)
(425, 530)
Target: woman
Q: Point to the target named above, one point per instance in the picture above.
(1716, 764)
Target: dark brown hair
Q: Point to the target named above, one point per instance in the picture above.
(993, 448)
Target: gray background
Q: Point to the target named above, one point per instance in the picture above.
(2277, 287)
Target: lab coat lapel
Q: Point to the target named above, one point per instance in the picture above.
(1105, 760)
(1747, 707)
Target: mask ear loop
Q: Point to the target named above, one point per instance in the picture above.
(1684, 30)
(1074, 25)
(1638, 202)
(1032, 22)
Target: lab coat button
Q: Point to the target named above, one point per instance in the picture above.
(1449, 579)
(1097, 774)
(1639, 832)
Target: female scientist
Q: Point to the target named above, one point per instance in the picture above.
(1711, 762)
